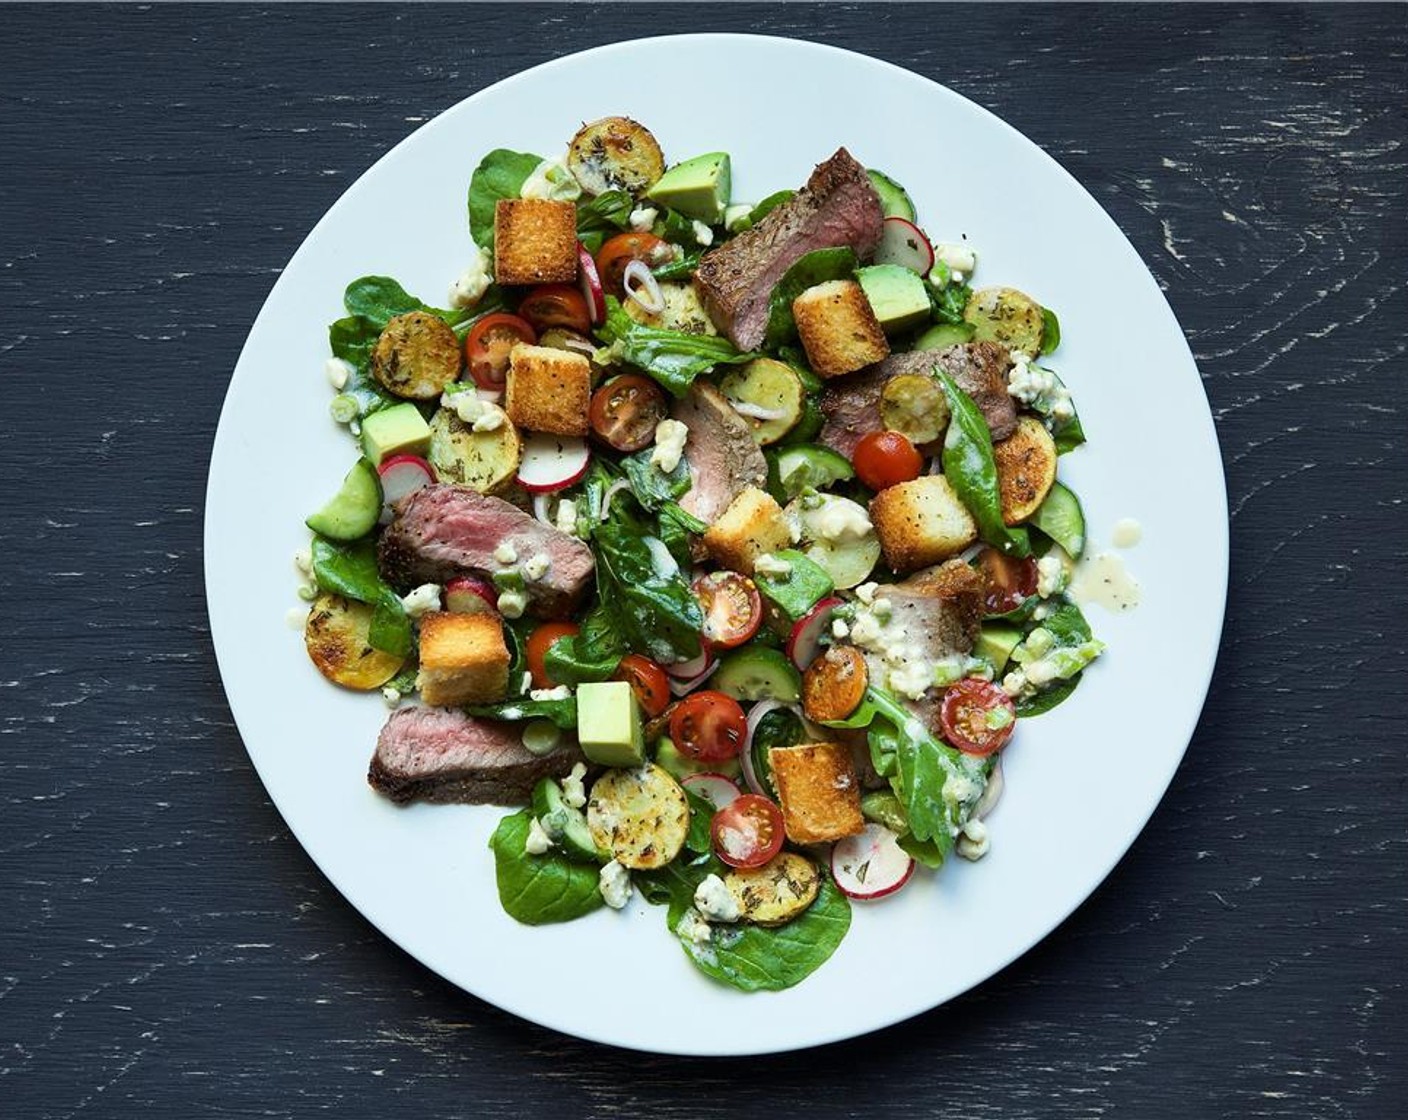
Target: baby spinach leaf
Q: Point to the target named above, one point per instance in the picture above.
(1050, 330)
(699, 838)
(972, 472)
(378, 299)
(590, 655)
(672, 358)
(536, 890)
(816, 267)
(600, 217)
(652, 486)
(763, 209)
(674, 227)
(562, 713)
(500, 174)
(681, 268)
(352, 339)
(1047, 698)
(654, 609)
(350, 570)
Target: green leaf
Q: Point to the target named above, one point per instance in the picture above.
(763, 209)
(800, 589)
(602, 216)
(654, 610)
(701, 818)
(672, 358)
(500, 174)
(1047, 698)
(536, 890)
(949, 302)
(652, 486)
(807, 271)
(1050, 330)
(562, 713)
(591, 655)
(352, 339)
(682, 268)
(350, 570)
(971, 470)
(378, 299)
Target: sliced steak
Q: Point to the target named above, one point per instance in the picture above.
(837, 207)
(444, 755)
(851, 404)
(724, 459)
(443, 531)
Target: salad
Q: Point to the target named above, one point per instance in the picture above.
(722, 540)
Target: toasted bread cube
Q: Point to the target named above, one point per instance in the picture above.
(463, 659)
(535, 241)
(838, 328)
(921, 522)
(819, 791)
(548, 390)
(751, 527)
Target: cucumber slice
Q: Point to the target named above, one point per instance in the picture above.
(848, 558)
(894, 199)
(995, 645)
(944, 334)
(766, 386)
(566, 825)
(758, 673)
(681, 766)
(806, 465)
(1060, 518)
(354, 509)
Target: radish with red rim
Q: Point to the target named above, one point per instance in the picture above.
(870, 864)
(591, 284)
(470, 595)
(552, 462)
(718, 790)
(401, 475)
(904, 243)
(804, 643)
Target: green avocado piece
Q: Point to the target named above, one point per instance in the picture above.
(608, 724)
(697, 188)
(996, 643)
(398, 430)
(896, 295)
(354, 509)
(944, 334)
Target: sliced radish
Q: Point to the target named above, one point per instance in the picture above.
(870, 864)
(685, 670)
(591, 284)
(468, 595)
(552, 462)
(718, 790)
(401, 475)
(804, 643)
(904, 243)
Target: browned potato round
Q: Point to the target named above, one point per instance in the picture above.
(777, 892)
(640, 816)
(914, 405)
(1008, 316)
(1026, 469)
(416, 356)
(834, 684)
(484, 461)
(336, 635)
(615, 153)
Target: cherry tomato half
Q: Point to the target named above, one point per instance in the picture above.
(539, 641)
(624, 412)
(619, 251)
(977, 716)
(732, 608)
(647, 681)
(556, 305)
(1010, 581)
(708, 726)
(885, 458)
(748, 831)
(487, 346)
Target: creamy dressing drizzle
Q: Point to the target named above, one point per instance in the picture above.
(1128, 533)
(1103, 580)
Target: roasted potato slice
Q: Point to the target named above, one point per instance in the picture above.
(615, 153)
(336, 635)
(640, 816)
(682, 311)
(1007, 316)
(768, 394)
(1026, 469)
(486, 461)
(914, 405)
(416, 356)
(777, 892)
(834, 684)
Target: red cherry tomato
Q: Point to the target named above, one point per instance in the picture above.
(556, 305)
(732, 608)
(708, 726)
(748, 831)
(885, 458)
(624, 412)
(619, 251)
(977, 716)
(647, 681)
(487, 346)
(1010, 580)
(539, 641)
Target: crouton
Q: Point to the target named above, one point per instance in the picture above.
(921, 522)
(751, 527)
(548, 390)
(838, 328)
(535, 241)
(819, 791)
(1026, 469)
(416, 356)
(463, 659)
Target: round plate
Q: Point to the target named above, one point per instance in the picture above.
(1081, 781)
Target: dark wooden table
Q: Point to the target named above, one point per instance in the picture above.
(166, 949)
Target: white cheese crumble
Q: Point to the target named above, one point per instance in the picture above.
(959, 788)
(912, 679)
(537, 841)
(553, 181)
(505, 553)
(866, 592)
(973, 841)
(1050, 576)
(670, 437)
(537, 565)
(1016, 686)
(392, 696)
(770, 565)
(338, 372)
(422, 600)
(566, 516)
(958, 256)
(1038, 388)
(561, 692)
(841, 519)
(715, 901)
(702, 233)
(865, 629)
(615, 885)
(512, 604)
(693, 928)
(474, 281)
(574, 793)
(839, 629)
(643, 217)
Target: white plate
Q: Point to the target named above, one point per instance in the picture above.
(1082, 780)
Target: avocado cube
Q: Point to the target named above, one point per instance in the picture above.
(608, 724)
(897, 296)
(398, 430)
(697, 188)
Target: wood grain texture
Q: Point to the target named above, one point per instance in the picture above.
(165, 947)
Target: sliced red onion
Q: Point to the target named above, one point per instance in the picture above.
(695, 666)
(493, 396)
(611, 491)
(682, 687)
(755, 717)
(991, 792)
(641, 286)
(757, 411)
(540, 509)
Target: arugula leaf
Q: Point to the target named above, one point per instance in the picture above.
(672, 358)
(807, 271)
(350, 570)
(681, 268)
(949, 303)
(500, 174)
(652, 486)
(599, 217)
(972, 472)
(536, 890)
